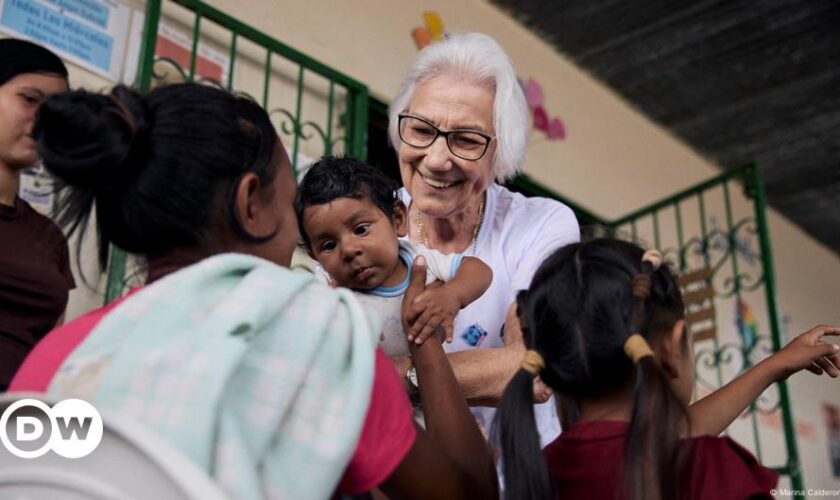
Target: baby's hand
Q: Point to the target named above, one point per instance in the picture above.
(435, 308)
(809, 352)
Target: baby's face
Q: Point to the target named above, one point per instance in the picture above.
(355, 242)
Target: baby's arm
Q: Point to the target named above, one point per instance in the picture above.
(712, 414)
(437, 307)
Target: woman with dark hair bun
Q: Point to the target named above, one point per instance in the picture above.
(266, 379)
(35, 276)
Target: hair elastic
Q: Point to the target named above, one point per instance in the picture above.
(636, 348)
(533, 363)
(641, 286)
(654, 257)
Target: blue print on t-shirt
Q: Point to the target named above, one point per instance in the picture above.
(473, 335)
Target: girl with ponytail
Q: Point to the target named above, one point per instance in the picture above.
(604, 324)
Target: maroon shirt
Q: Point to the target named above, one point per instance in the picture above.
(586, 462)
(35, 279)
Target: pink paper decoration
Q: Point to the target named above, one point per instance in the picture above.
(533, 93)
(540, 119)
(556, 130)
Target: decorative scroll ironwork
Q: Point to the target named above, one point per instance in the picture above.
(717, 247)
(736, 358)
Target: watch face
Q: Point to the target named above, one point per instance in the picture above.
(412, 377)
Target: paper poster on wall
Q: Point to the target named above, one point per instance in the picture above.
(176, 46)
(209, 64)
(90, 33)
(38, 189)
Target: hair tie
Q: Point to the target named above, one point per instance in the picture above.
(636, 348)
(641, 286)
(653, 257)
(533, 363)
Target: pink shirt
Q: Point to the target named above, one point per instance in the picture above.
(387, 435)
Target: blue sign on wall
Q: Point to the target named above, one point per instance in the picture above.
(55, 29)
(89, 32)
(92, 11)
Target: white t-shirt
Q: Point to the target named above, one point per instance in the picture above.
(518, 233)
(386, 302)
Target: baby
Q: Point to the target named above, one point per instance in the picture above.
(351, 222)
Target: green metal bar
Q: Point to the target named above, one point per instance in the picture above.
(267, 81)
(116, 274)
(296, 124)
(680, 236)
(704, 242)
(349, 120)
(328, 139)
(231, 60)
(704, 230)
(147, 48)
(633, 230)
(115, 281)
(686, 193)
(260, 38)
(194, 53)
(760, 205)
(358, 130)
(732, 242)
(656, 242)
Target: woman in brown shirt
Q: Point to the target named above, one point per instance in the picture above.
(35, 275)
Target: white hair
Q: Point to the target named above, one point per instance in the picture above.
(478, 58)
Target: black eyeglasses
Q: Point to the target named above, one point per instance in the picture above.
(465, 144)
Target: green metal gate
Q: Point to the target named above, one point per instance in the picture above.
(720, 225)
(706, 225)
(340, 102)
(720, 237)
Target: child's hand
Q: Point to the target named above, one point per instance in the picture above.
(436, 308)
(809, 352)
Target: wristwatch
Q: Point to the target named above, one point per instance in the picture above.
(413, 384)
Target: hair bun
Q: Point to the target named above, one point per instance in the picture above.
(91, 141)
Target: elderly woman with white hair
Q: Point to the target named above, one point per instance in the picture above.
(460, 125)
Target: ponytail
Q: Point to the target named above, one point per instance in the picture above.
(652, 463)
(515, 428)
(525, 472)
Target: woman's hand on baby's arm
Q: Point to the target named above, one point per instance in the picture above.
(809, 352)
(435, 308)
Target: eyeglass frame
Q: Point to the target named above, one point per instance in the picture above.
(445, 133)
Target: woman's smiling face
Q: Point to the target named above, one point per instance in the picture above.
(441, 184)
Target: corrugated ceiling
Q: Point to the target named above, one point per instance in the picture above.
(740, 81)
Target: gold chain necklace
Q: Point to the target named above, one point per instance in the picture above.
(421, 232)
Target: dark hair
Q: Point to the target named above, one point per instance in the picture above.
(579, 311)
(18, 57)
(334, 177)
(160, 167)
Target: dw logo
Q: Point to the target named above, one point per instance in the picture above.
(29, 428)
